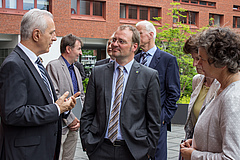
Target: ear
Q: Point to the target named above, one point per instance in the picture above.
(151, 34)
(36, 34)
(68, 49)
(134, 47)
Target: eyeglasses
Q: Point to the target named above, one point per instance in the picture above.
(119, 41)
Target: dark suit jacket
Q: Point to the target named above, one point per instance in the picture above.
(31, 125)
(140, 110)
(167, 67)
(80, 67)
(103, 61)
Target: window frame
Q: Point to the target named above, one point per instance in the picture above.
(188, 19)
(133, 21)
(236, 24)
(198, 3)
(220, 19)
(77, 14)
(19, 7)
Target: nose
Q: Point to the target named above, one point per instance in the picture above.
(54, 37)
(80, 52)
(195, 62)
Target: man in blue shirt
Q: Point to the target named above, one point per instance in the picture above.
(66, 77)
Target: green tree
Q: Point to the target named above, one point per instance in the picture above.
(171, 39)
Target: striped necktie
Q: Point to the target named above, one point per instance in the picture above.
(44, 77)
(144, 58)
(114, 117)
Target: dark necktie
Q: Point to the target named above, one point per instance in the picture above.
(74, 79)
(44, 77)
(144, 58)
(114, 117)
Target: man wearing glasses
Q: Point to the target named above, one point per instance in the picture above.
(121, 120)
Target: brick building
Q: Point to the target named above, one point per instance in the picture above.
(96, 20)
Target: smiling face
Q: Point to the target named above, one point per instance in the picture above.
(46, 39)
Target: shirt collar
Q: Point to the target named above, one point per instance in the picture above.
(127, 66)
(68, 65)
(32, 56)
(152, 50)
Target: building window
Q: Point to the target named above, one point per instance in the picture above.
(216, 19)
(143, 13)
(132, 10)
(189, 18)
(87, 7)
(12, 4)
(122, 11)
(203, 3)
(138, 12)
(194, 1)
(236, 22)
(25, 4)
(198, 2)
(235, 7)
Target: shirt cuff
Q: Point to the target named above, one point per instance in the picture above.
(58, 109)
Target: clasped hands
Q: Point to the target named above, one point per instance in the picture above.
(186, 149)
(66, 104)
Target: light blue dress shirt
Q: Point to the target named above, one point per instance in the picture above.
(126, 72)
(150, 54)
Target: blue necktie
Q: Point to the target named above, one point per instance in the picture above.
(44, 77)
(74, 79)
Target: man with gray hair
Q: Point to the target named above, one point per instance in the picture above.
(30, 112)
(168, 72)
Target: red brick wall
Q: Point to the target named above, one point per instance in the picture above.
(10, 23)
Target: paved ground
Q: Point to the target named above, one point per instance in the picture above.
(174, 139)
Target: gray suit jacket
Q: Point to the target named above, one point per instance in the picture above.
(30, 126)
(59, 73)
(140, 110)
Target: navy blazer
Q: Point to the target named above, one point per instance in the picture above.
(30, 123)
(168, 71)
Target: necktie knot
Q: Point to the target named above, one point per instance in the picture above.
(38, 61)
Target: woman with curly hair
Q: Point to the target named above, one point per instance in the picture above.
(203, 87)
(216, 134)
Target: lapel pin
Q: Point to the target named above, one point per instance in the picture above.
(137, 71)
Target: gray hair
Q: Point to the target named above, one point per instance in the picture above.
(34, 18)
(149, 27)
(222, 46)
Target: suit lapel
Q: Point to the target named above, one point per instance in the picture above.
(155, 59)
(134, 72)
(36, 75)
(108, 74)
(67, 74)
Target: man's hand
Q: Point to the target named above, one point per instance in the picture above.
(67, 104)
(75, 125)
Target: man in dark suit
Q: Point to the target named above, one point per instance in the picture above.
(109, 52)
(30, 120)
(167, 67)
(121, 120)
